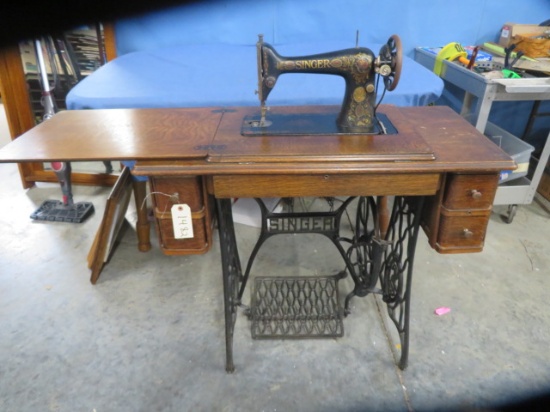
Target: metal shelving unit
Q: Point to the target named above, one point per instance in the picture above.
(487, 91)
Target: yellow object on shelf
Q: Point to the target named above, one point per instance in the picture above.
(451, 52)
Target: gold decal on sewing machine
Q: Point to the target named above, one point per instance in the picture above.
(360, 64)
(359, 94)
(336, 63)
(303, 64)
(359, 114)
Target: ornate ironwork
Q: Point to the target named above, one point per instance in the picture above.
(303, 307)
(232, 275)
(280, 306)
(324, 223)
(388, 260)
(397, 267)
(366, 251)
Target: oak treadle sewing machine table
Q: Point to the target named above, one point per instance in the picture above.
(441, 170)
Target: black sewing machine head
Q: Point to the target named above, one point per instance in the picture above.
(359, 68)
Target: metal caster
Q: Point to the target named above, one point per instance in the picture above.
(512, 209)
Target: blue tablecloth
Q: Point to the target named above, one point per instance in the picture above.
(226, 75)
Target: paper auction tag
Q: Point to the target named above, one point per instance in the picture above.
(182, 221)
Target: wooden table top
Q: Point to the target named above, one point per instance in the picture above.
(209, 141)
(429, 139)
(117, 134)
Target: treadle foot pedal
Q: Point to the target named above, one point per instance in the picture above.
(56, 211)
(296, 308)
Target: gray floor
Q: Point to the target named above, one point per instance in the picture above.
(149, 335)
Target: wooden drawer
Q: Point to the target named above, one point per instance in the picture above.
(169, 191)
(470, 191)
(455, 219)
(173, 190)
(198, 244)
(462, 233)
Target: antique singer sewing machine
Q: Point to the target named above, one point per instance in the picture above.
(358, 66)
(370, 256)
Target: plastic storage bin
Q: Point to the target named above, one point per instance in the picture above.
(516, 148)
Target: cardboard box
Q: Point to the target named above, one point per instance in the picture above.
(510, 32)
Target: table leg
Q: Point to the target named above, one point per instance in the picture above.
(143, 227)
(264, 235)
(387, 260)
(397, 267)
(232, 275)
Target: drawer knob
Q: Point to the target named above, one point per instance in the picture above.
(476, 194)
(468, 233)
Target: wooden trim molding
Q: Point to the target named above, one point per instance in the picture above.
(17, 104)
(110, 40)
(16, 100)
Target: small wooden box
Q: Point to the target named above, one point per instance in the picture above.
(169, 191)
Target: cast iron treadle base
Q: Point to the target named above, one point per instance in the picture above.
(55, 211)
(294, 308)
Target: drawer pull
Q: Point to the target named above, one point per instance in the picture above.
(468, 233)
(476, 194)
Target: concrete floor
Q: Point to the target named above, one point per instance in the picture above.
(149, 336)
